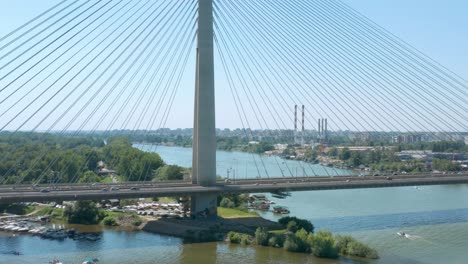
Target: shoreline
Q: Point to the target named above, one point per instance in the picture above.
(187, 228)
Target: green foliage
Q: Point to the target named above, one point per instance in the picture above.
(137, 221)
(63, 158)
(234, 237)
(260, 148)
(109, 221)
(239, 200)
(445, 165)
(245, 240)
(19, 209)
(227, 203)
(89, 177)
(295, 244)
(302, 234)
(322, 244)
(292, 226)
(170, 173)
(82, 212)
(238, 238)
(132, 164)
(261, 236)
(300, 223)
(347, 245)
(345, 154)
(276, 240)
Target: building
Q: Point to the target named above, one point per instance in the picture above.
(406, 139)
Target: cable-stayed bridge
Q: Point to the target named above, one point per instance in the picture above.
(101, 66)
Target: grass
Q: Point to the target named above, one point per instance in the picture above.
(54, 213)
(234, 213)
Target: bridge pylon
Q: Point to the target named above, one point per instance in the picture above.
(204, 128)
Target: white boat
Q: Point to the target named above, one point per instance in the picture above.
(55, 261)
(23, 229)
(402, 234)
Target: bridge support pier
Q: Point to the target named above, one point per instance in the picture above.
(204, 129)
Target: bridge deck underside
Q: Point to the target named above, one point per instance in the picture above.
(8, 195)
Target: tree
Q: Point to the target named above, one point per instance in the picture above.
(301, 223)
(169, 173)
(89, 177)
(82, 212)
(292, 226)
(345, 154)
(261, 236)
(227, 203)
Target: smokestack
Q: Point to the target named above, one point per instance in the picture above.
(302, 134)
(323, 127)
(326, 129)
(319, 128)
(295, 123)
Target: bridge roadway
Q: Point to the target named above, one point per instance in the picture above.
(63, 192)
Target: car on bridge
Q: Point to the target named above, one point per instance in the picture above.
(114, 188)
(134, 188)
(45, 191)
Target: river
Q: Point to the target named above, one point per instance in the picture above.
(436, 217)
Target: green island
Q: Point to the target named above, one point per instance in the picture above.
(299, 236)
(296, 235)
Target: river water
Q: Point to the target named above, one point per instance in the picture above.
(436, 217)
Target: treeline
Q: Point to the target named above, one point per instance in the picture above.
(367, 158)
(49, 158)
(436, 146)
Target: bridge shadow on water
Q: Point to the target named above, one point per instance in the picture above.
(389, 221)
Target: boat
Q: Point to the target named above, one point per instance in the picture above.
(55, 261)
(280, 210)
(403, 234)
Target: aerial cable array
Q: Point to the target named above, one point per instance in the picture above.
(101, 66)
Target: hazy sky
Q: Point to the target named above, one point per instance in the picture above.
(437, 28)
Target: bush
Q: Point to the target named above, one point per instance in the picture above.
(234, 237)
(301, 223)
(347, 245)
(238, 238)
(276, 240)
(295, 244)
(356, 248)
(341, 243)
(109, 221)
(245, 240)
(322, 245)
(227, 203)
(261, 236)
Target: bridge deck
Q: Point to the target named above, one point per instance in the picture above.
(83, 192)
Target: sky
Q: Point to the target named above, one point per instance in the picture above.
(437, 28)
